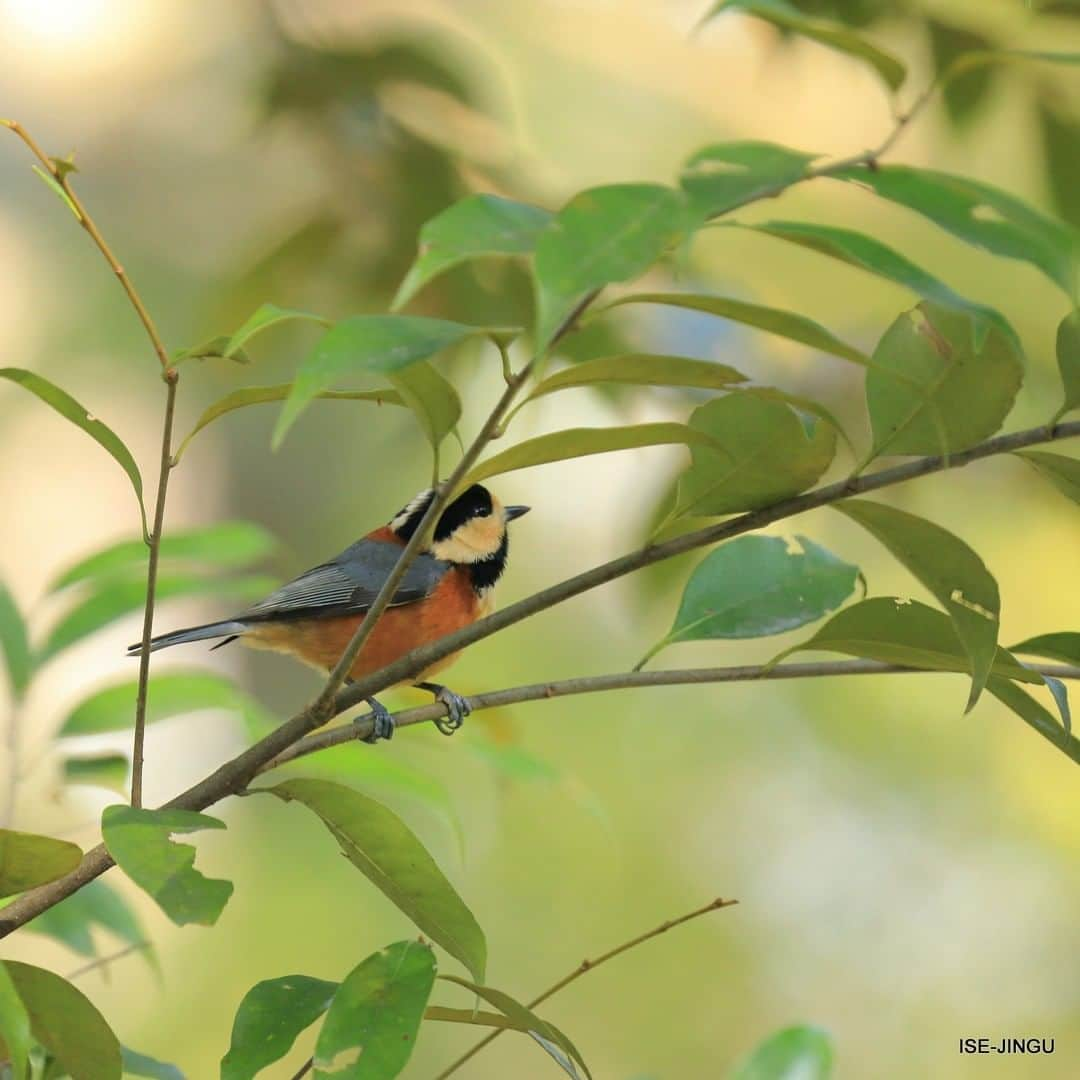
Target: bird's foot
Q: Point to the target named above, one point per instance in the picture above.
(382, 722)
(457, 707)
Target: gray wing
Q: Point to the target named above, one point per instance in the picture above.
(348, 584)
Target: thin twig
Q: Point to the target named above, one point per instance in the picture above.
(102, 961)
(586, 966)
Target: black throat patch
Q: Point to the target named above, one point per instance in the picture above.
(484, 573)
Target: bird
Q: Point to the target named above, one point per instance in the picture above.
(448, 585)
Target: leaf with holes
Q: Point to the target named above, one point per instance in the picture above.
(1068, 358)
(28, 860)
(1063, 472)
(138, 840)
(930, 391)
(14, 644)
(474, 227)
(96, 904)
(796, 1053)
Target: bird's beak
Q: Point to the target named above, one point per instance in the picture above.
(514, 512)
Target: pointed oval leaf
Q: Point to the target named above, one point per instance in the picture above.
(138, 840)
(14, 644)
(261, 395)
(370, 1029)
(602, 235)
(15, 1038)
(763, 454)
(946, 566)
(581, 442)
(95, 904)
(978, 214)
(1068, 358)
(432, 399)
(1063, 645)
(267, 315)
(796, 1053)
(66, 1024)
(478, 225)
(142, 1065)
(784, 324)
(271, 1016)
(834, 36)
(930, 391)
(71, 410)
(1063, 472)
(387, 852)
(28, 860)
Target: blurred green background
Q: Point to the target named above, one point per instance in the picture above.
(907, 876)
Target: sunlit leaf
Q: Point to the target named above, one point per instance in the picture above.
(15, 1039)
(478, 225)
(71, 410)
(785, 324)
(267, 315)
(142, 1065)
(271, 1016)
(432, 399)
(64, 1021)
(796, 1053)
(370, 1029)
(978, 214)
(1063, 645)
(763, 453)
(600, 236)
(946, 566)
(97, 770)
(931, 391)
(14, 644)
(96, 904)
(755, 586)
(832, 35)
(28, 860)
(138, 840)
(1068, 358)
(1063, 472)
(387, 852)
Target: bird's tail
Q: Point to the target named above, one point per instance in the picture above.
(228, 629)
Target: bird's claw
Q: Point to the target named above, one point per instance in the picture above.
(457, 708)
(382, 722)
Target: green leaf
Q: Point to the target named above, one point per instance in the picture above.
(15, 1040)
(271, 1016)
(28, 860)
(1068, 358)
(476, 226)
(173, 693)
(98, 770)
(978, 214)
(1061, 471)
(64, 1021)
(1063, 645)
(725, 176)
(971, 60)
(1060, 134)
(368, 345)
(784, 324)
(931, 391)
(965, 93)
(136, 1064)
(1035, 716)
(832, 35)
(581, 442)
(51, 183)
(138, 840)
(370, 1029)
(386, 851)
(477, 1017)
(946, 566)
(641, 369)
(524, 1019)
(796, 1053)
(763, 454)
(866, 253)
(227, 544)
(268, 315)
(432, 399)
(95, 904)
(111, 600)
(71, 410)
(261, 395)
(14, 644)
(602, 235)
(756, 586)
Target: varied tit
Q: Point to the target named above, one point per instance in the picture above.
(450, 585)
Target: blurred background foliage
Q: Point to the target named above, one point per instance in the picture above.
(906, 877)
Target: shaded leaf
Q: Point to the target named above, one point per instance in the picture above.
(28, 860)
(784, 324)
(386, 851)
(432, 399)
(1060, 135)
(1035, 716)
(214, 349)
(142, 1065)
(978, 214)
(755, 586)
(602, 235)
(965, 92)
(271, 1016)
(832, 35)
(71, 410)
(1063, 645)
(1063, 472)
(478, 225)
(946, 566)
(370, 1029)
(96, 904)
(796, 1053)
(15, 1040)
(14, 644)
(138, 840)
(266, 316)
(97, 770)
(1068, 358)
(64, 1021)
(931, 391)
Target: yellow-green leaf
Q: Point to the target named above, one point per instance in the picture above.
(1063, 472)
(1068, 358)
(28, 860)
